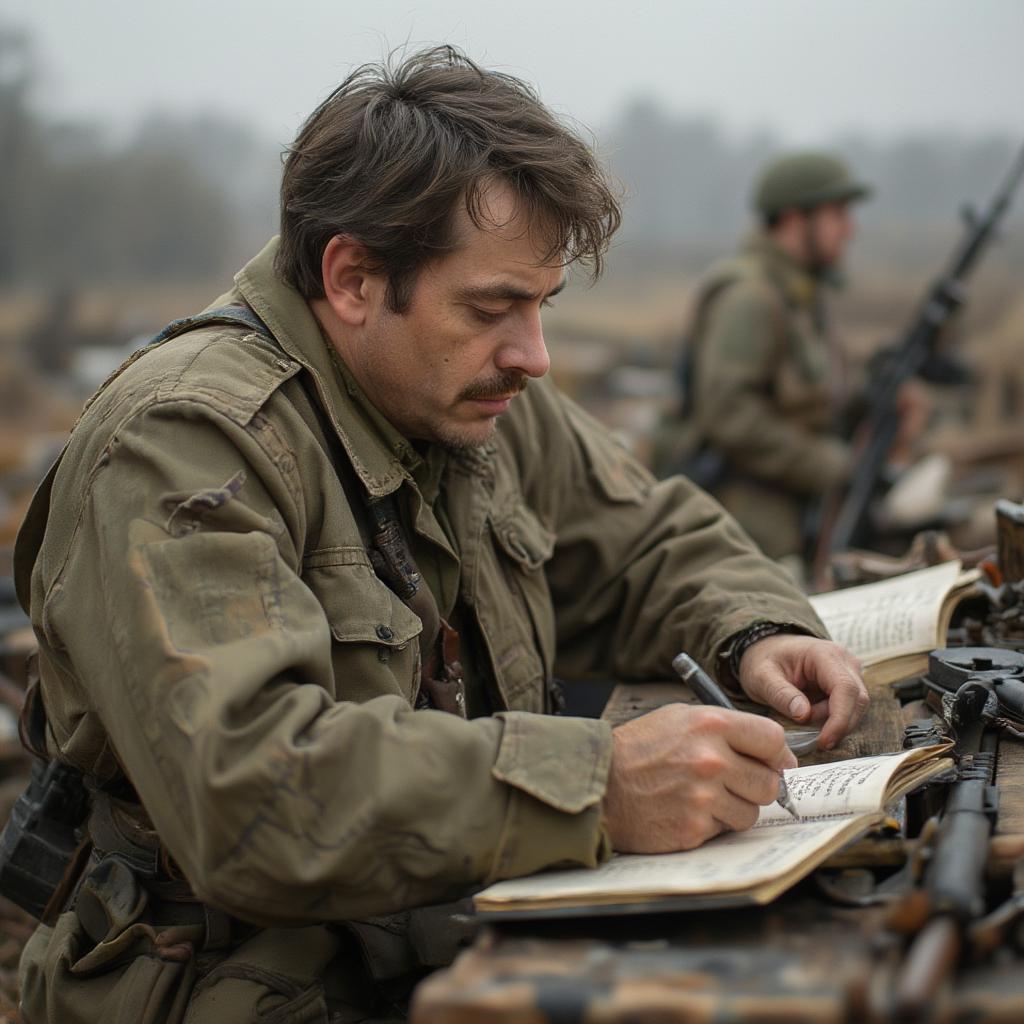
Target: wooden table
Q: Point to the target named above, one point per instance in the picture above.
(801, 960)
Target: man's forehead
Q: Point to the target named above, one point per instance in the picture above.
(506, 256)
(495, 212)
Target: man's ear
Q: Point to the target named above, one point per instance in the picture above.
(348, 286)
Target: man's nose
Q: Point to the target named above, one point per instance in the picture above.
(526, 351)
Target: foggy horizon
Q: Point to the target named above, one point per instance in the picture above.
(147, 143)
(806, 73)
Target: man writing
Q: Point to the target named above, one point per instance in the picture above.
(308, 566)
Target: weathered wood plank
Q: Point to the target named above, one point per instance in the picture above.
(799, 961)
(1010, 777)
(631, 700)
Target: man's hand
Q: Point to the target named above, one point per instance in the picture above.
(808, 680)
(682, 774)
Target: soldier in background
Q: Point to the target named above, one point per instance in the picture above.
(764, 383)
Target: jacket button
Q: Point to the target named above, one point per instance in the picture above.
(385, 632)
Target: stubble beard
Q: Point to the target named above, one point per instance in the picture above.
(501, 385)
(455, 443)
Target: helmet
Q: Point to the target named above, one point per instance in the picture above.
(803, 181)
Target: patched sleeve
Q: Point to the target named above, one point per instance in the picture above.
(733, 369)
(180, 612)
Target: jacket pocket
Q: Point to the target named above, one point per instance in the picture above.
(131, 978)
(375, 649)
(522, 632)
(523, 537)
(273, 978)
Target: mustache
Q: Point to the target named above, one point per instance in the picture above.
(500, 386)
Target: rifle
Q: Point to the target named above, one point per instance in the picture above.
(909, 358)
(954, 888)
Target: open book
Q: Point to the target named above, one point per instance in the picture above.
(837, 802)
(893, 624)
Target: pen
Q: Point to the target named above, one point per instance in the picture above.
(709, 692)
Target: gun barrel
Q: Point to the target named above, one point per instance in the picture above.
(1013, 178)
(981, 228)
(956, 877)
(917, 347)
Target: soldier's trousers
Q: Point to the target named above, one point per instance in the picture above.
(148, 975)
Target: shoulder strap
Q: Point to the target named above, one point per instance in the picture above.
(234, 315)
(377, 520)
(30, 536)
(715, 281)
(726, 274)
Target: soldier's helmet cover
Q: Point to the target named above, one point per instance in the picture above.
(803, 181)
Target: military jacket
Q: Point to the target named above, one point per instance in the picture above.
(765, 393)
(211, 626)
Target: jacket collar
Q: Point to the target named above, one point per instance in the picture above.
(380, 456)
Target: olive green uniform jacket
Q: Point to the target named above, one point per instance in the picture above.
(763, 395)
(210, 625)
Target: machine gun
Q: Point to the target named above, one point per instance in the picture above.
(970, 682)
(1001, 671)
(909, 358)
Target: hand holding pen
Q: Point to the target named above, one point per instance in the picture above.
(684, 773)
(709, 692)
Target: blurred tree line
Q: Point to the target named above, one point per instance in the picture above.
(174, 200)
(185, 198)
(688, 179)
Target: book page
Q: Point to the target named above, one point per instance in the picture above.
(836, 788)
(859, 785)
(896, 616)
(734, 861)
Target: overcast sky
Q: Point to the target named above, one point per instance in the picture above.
(808, 69)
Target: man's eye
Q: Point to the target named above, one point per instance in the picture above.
(488, 316)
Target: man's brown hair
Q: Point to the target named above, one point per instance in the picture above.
(387, 157)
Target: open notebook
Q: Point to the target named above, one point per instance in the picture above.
(893, 624)
(837, 802)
